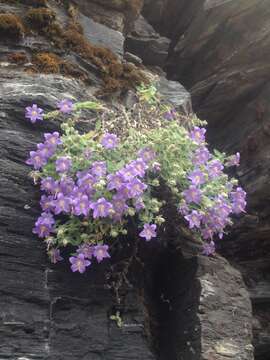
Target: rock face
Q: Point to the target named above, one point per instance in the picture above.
(145, 42)
(184, 306)
(220, 51)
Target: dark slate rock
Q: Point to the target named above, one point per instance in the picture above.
(145, 42)
(101, 35)
(174, 93)
(47, 312)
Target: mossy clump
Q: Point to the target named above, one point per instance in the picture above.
(11, 26)
(40, 19)
(47, 63)
(18, 58)
(50, 63)
(114, 73)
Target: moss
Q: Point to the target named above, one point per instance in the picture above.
(50, 63)
(40, 19)
(47, 63)
(19, 58)
(11, 26)
(114, 73)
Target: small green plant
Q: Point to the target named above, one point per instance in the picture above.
(117, 318)
(96, 184)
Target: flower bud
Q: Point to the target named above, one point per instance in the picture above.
(155, 182)
(172, 182)
(131, 211)
(159, 220)
(114, 233)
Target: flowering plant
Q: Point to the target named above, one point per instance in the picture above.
(94, 183)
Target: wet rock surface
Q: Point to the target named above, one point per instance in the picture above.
(187, 307)
(219, 52)
(145, 42)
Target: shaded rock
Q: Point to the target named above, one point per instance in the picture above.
(132, 58)
(193, 311)
(173, 92)
(145, 42)
(103, 15)
(101, 35)
(47, 312)
(220, 52)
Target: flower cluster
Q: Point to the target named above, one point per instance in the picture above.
(93, 184)
(204, 209)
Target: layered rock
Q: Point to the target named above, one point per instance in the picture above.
(220, 52)
(46, 311)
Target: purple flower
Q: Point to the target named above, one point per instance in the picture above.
(215, 168)
(48, 184)
(207, 233)
(87, 182)
(44, 225)
(183, 209)
(66, 185)
(128, 173)
(101, 208)
(209, 248)
(148, 232)
(45, 150)
(52, 139)
(123, 192)
(222, 210)
(63, 164)
(101, 252)
(79, 263)
(239, 200)
(201, 156)
(77, 192)
(170, 114)
(47, 203)
(55, 255)
(62, 204)
(109, 141)
(81, 205)
(136, 188)
(99, 168)
(197, 177)
(87, 251)
(34, 113)
(115, 181)
(192, 194)
(36, 159)
(119, 205)
(198, 134)
(65, 106)
(139, 204)
(147, 154)
(139, 167)
(233, 160)
(194, 219)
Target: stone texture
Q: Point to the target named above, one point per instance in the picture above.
(145, 42)
(220, 51)
(173, 92)
(99, 34)
(170, 309)
(47, 312)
